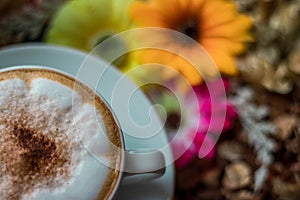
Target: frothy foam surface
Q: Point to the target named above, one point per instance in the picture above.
(45, 129)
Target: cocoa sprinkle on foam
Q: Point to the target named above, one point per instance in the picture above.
(35, 151)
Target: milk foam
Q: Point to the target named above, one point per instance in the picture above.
(61, 95)
(83, 119)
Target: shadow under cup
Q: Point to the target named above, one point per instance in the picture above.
(67, 140)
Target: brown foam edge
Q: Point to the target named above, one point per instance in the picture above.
(88, 96)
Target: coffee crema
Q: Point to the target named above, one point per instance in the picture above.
(57, 138)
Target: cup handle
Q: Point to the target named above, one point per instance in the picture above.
(141, 165)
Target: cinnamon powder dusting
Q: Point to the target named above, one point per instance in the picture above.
(35, 154)
(37, 149)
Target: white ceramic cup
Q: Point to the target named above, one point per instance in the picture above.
(135, 164)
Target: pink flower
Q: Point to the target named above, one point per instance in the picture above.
(195, 121)
(217, 114)
(202, 146)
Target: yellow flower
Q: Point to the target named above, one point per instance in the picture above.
(83, 24)
(214, 24)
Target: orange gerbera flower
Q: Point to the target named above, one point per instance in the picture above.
(214, 24)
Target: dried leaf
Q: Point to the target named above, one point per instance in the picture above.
(237, 175)
(286, 191)
(231, 150)
(243, 195)
(284, 123)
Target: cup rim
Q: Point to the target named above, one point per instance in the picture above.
(121, 165)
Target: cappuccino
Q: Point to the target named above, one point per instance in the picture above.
(58, 139)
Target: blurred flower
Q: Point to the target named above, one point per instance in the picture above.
(24, 20)
(84, 24)
(214, 106)
(216, 25)
(184, 155)
(189, 122)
